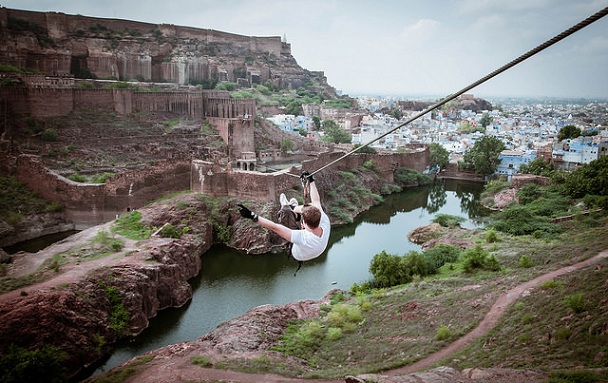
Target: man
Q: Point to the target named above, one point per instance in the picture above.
(311, 241)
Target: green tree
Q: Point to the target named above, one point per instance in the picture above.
(367, 149)
(334, 133)
(589, 179)
(439, 155)
(287, 145)
(396, 113)
(568, 132)
(486, 120)
(317, 122)
(482, 158)
(537, 166)
(390, 270)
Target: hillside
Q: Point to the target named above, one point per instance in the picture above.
(54, 43)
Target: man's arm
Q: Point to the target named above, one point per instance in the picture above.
(315, 199)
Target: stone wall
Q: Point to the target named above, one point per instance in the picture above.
(92, 204)
(54, 102)
(211, 179)
(125, 50)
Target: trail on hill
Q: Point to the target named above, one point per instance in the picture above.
(75, 272)
(164, 374)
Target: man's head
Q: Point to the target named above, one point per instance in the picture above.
(311, 216)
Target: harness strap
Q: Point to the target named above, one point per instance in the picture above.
(300, 263)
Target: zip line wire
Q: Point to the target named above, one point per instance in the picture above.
(498, 71)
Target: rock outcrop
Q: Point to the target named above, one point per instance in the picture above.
(87, 305)
(55, 43)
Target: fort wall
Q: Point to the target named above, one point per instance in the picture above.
(92, 204)
(44, 102)
(209, 178)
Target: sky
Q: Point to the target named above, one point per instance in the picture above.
(401, 47)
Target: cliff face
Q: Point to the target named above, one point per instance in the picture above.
(57, 43)
(85, 305)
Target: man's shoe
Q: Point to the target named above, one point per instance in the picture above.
(283, 200)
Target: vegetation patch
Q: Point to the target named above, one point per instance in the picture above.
(46, 364)
(130, 225)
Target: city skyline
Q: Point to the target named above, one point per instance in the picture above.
(402, 47)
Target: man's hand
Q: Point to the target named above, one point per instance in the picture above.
(246, 213)
(306, 176)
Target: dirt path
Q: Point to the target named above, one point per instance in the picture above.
(492, 317)
(168, 370)
(74, 272)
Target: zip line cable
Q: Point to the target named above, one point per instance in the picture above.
(498, 71)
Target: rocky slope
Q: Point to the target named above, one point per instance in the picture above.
(84, 304)
(55, 43)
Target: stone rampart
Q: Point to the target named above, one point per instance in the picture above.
(91, 204)
(209, 178)
(54, 102)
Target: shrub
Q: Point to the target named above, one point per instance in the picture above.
(334, 333)
(525, 262)
(519, 220)
(46, 364)
(389, 270)
(478, 258)
(416, 263)
(170, 231)
(119, 316)
(439, 255)
(580, 376)
(369, 164)
(116, 245)
(130, 226)
(491, 236)
(447, 220)
(201, 361)
(409, 177)
(49, 134)
(576, 302)
(101, 178)
(443, 333)
(77, 177)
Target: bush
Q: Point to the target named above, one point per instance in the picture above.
(201, 361)
(478, 258)
(576, 302)
(443, 333)
(119, 316)
(389, 270)
(130, 226)
(77, 177)
(46, 364)
(440, 255)
(519, 220)
(525, 262)
(447, 220)
(491, 236)
(408, 177)
(101, 178)
(578, 377)
(170, 231)
(49, 135)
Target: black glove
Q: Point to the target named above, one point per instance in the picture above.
(307, 176)
(246, 213)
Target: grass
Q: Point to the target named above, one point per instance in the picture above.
(123, 373)
(102, 245)
(560, 325)
(550, 327)
(17, 201)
